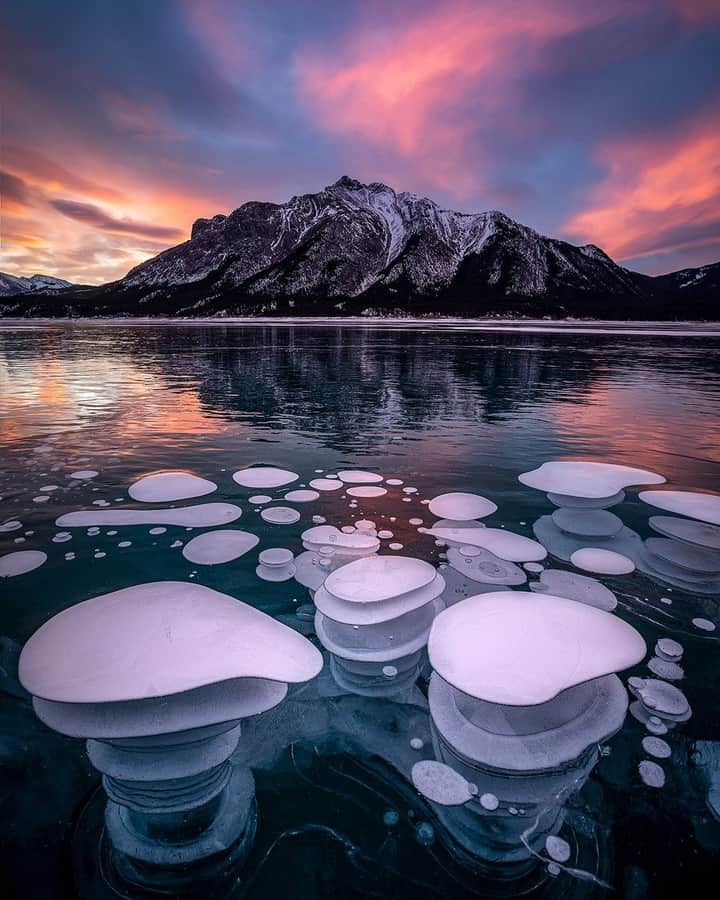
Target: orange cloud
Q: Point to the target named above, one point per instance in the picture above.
(402, 88)
(657, 196)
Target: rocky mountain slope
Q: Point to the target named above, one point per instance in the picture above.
(362, 249)
(11, 285)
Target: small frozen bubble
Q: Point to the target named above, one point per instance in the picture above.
(656, 726)
(111, 533)
(407, 499)
(166, 487)
(175, 545)
(366, 491)
(425, 834)
(395, 546)
(389, 671)
(602, 562)
(280, 515)
(394, 482)
(357, 476)
(667, 648)
(557, 848)
(410, 490)
(92, 532)
(652, 774)
(319, 520)
(101, 503)
(365, 525)
(61, 537)
(69, 556)
(704, 624)
(348, 529)
(417, 743)
(84, 474)
(391, 818)
(19, 540)
(385, 535)
(11, 525)
(301, 496)
(158, 530)
(49, 487)
(217, 547)
(534, 567)
(41, 498)
(259, 499)
(665, 668)
(513, 810)
(264, 477)
(125, 544)
(553, 869)
(462, 507)
(666, 600)
(489, 802)
(414, 521)
(440, 783)
(99, 554)
(326, 484)
(655, 746)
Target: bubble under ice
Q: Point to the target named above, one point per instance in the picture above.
(20, 562)
(503, 543)
(165, 487)
(590, 480)
(576, 587)
(264, 477)
(280, 515)
(461, 506)
(439, 783)
(217, 547)
(601, 561)
(202, 515)
(695, 505)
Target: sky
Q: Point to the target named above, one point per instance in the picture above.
(122, 121)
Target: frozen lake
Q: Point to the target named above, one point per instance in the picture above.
(440, 407)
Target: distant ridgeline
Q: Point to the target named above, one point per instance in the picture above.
(362, 249)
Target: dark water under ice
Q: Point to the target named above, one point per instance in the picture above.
(442, 410)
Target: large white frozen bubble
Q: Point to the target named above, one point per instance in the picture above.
(165, 487)
(602, 562)
(592, 480)
(503, 543)
(593, 523)
(357, 476)
(461, 506)
(699, 533)
(264, 477)
(439, 783)
(695, 559)
(705, 507)
(373, 579)
(203, 515)
(20, 562)
(483, 566)
(217, 547)
(158, 639)
(577, 587)
(522, 649)
(329, 536)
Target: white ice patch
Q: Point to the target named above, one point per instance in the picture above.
(326, 484)
(204, 515)
(166, 487)
(301, 496)
(369, 491)
(20, 562)
(591, 480)
(602, 562)
(264, 477)
(217, 547)
(461, 506)
(357, 476)
(705, 507)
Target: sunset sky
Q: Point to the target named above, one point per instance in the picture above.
(125, 120)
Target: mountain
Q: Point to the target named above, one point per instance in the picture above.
(11, 285)
(363, 249)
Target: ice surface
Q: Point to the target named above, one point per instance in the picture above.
(590, 480)
(264, 477)
(157, 639)
(165, 487)
(203, 515)
(280, 515)
(439, 783)
(503, 543)
(518, 648)
(216, 547)
(705, 507)
(20, 562)
(602, 562)
(461, 506)
(575, 587)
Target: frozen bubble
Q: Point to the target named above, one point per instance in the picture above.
(217, 547)
(417, 743)
(410, 490)
(588, 480)
(665, 700)
(125, 544)
(665, 668)
(415, 521)
(19, 540)
(158, 530)
(276, 556)
(505, 544)
(483, 566)
(11, 525)
(666, 600)
(651, 773)
(366, 491)
(655, 746)
(576, 587)
(391, 818)
(91, 532)
(395, 546)
(522, 649)
(461, 506)
(275, 564)
(326, 484)
(557, 848)
(553, 869)
(699, 533)
(21, 561)
(165, 487)
(365, 525)
(101, 503)
(99, 554)
(259, 499)
(394, 482)
(356, 543)
(202, 515)
(84, 474)
(264, 477)
(697, 560)
(301, 496)
(425, 834)
(49, 487)
(439, 783)
(591, 523)
(602, 562)
(357, 476)
(175, 545)
(69, 556)
(348, 529)
(61, 537)
(704, 624)
(693, 504)
(385, 535)
(535, 568)
(318, 520)
(280, 515)
(111, 533)
(655, 725)
(389, 671)
(41, 498)
(489, 802)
